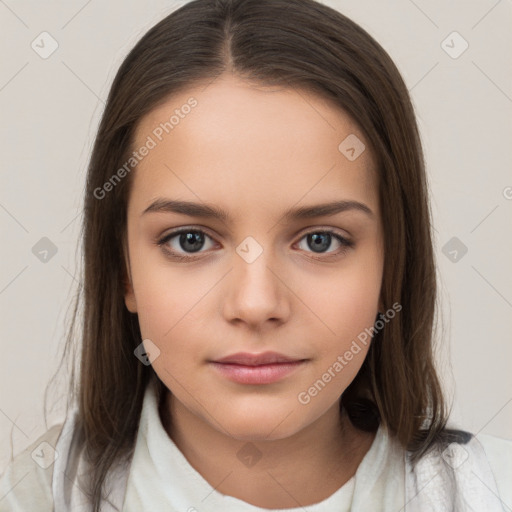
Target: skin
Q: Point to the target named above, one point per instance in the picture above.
(255, 152)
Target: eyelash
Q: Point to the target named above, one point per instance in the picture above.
(345, 243)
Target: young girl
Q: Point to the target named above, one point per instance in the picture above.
(259, 286)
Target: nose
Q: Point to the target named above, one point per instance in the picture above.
(256, 292)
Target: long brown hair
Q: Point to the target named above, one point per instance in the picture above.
(293, 43)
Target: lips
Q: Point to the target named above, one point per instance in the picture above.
(248, 359)
(257, 369)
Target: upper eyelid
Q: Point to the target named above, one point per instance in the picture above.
(302, 233)
(184, 229)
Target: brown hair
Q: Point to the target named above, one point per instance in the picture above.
(292, 43)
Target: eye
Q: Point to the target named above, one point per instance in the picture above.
(188, 240)
(319, 241)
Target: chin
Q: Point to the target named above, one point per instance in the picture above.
(260, 433)
(260, 424)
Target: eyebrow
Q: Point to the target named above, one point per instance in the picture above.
(209, 211)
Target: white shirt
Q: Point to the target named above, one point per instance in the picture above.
(161, 478)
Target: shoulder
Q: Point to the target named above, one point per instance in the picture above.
(461, 466)
(26, 482)
(499, 454)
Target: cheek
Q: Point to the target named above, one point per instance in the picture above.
(345, 302)
(171, 310)
(164, 295)
(348, 307)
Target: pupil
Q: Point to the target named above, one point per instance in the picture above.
(320, 241)
(194, 238)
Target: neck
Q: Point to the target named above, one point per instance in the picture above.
(270, 473)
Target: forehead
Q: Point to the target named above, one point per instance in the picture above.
(234, 142)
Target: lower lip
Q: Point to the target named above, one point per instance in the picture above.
(262, 374)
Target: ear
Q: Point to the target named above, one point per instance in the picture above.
(129, 294)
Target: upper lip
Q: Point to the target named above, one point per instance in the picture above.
(248, 359)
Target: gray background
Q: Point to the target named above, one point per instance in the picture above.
(50, 110)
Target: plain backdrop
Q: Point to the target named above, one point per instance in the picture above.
(461, 87)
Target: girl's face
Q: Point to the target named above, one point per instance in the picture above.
(260, 277)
